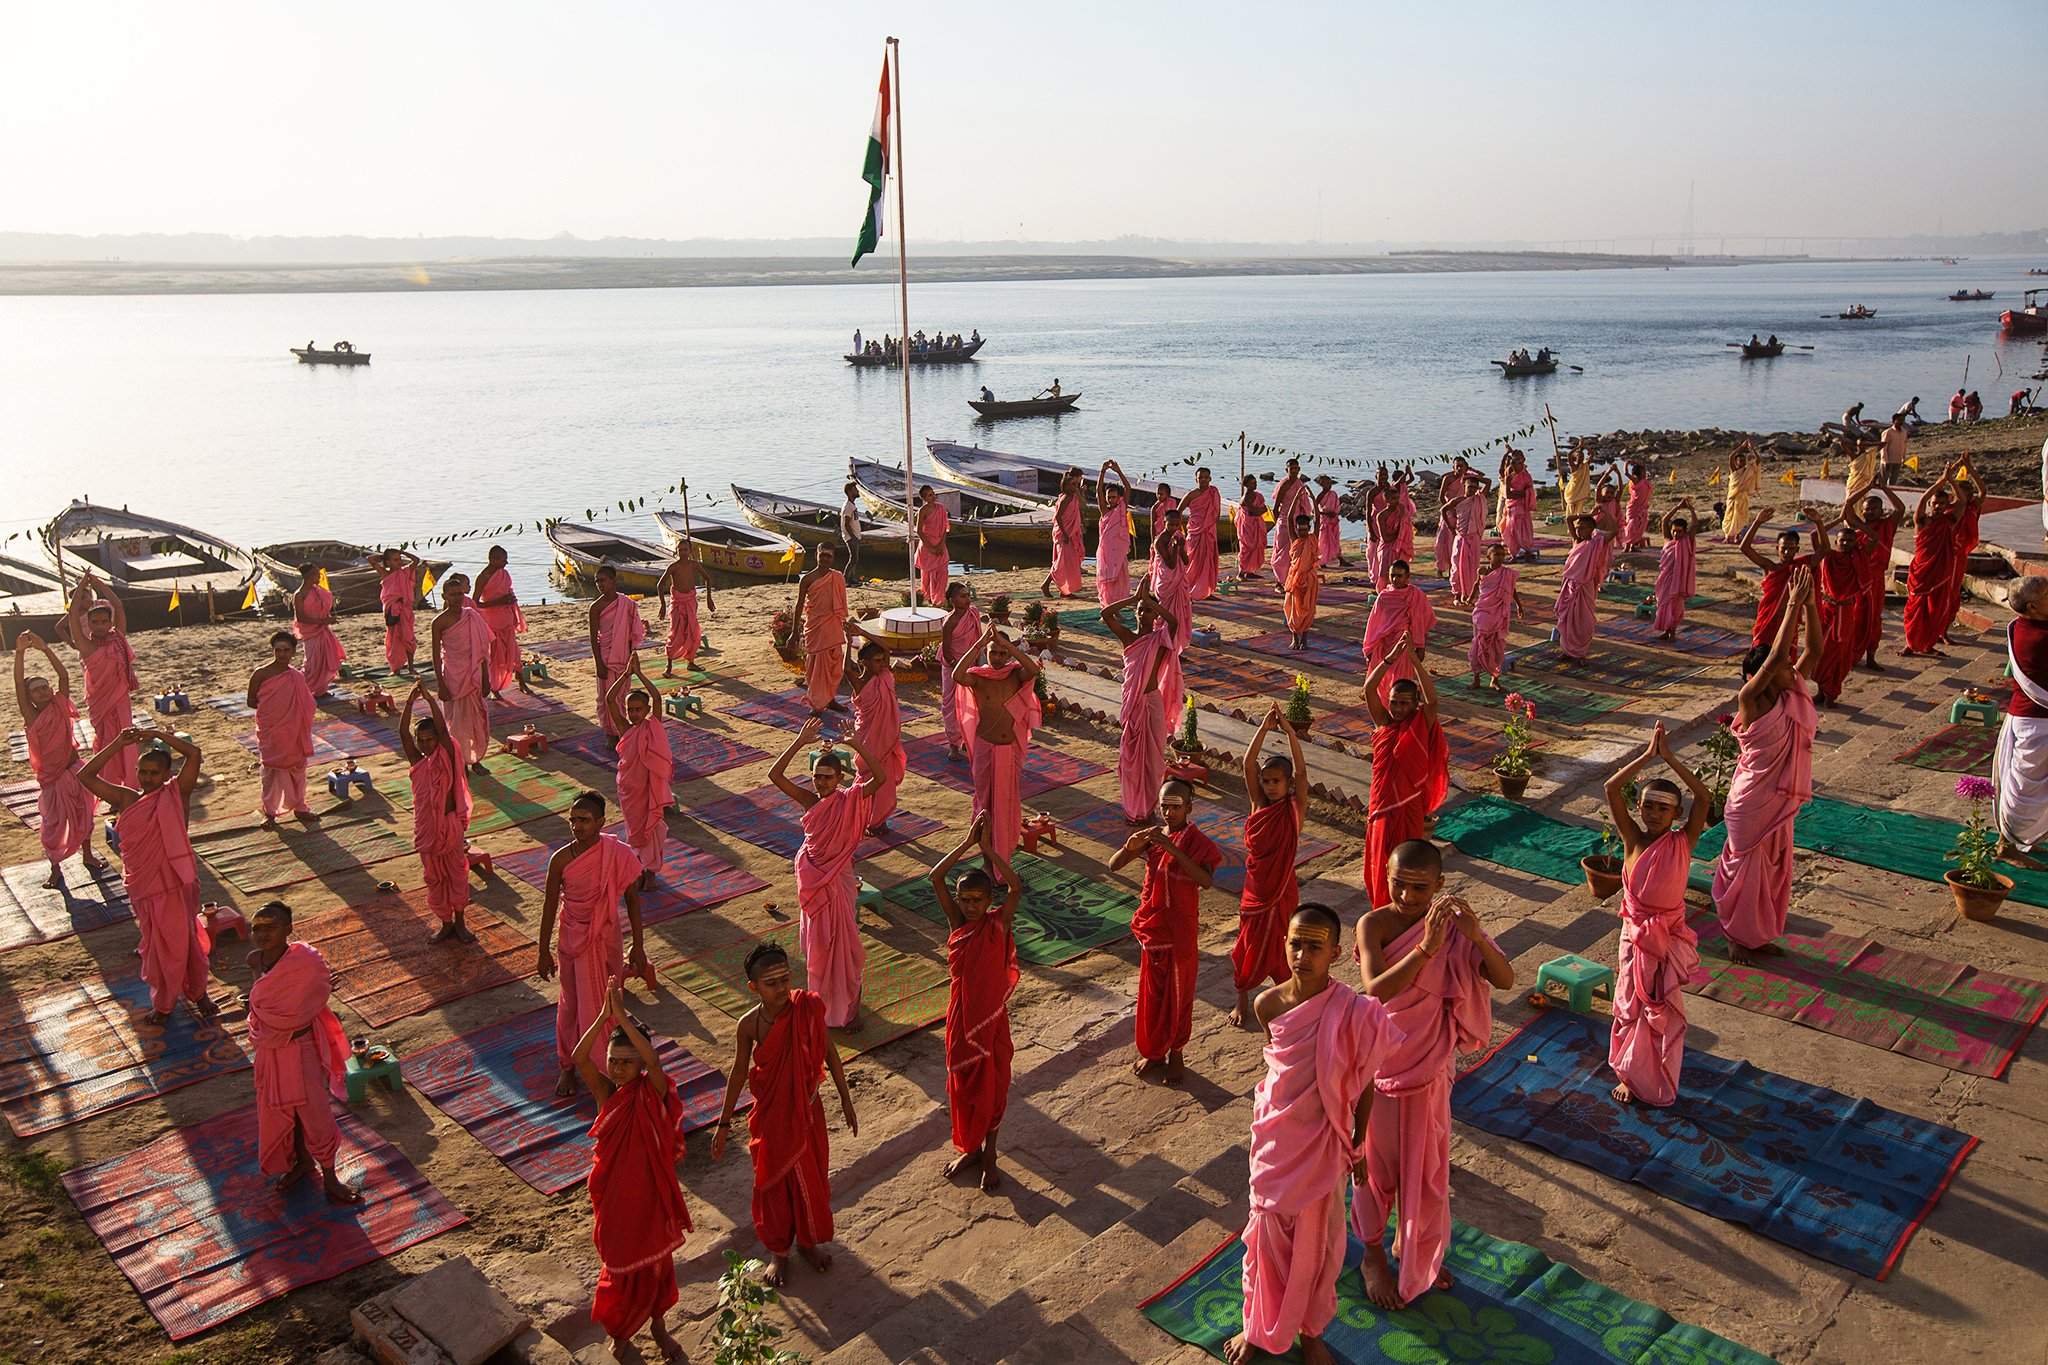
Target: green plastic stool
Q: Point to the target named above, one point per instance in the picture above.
(381, 1065)
(1985, 711)
(681, 704)
(1646, 610)
(1580, 979)
(533, 670)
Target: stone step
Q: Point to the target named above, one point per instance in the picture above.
(1107, 1325)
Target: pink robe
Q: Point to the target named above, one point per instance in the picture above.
(63, 805)
(1518, 515)
(1141, 753)
(1490, 613)
(589, 951)
(397, 593)
(1659, 953)
(1635, 528)
(646, 774)
(1113, 554)
(999, 768)
(878, 724)
(1321, 1057)
(1069, 546)
(162, 877)
(932, 563)
(1329, 528)
(284, 740)
(1250, 519)
(1446, 1010)
(301, 1058)
(1286, 507)
(109, 681)
(441, 836)
(1404, 540)
(954, 643)
(685, 634)
(465, 648)
(1446, 536)
(1200, 515)
(827, 892)
(1677, 576)
(1470, 539)
(507, 624)
(1578, 597)
(1170, 587)
(824, 638)
(324, 652)
(1773, 779)
(1393, 611)
(619, 633)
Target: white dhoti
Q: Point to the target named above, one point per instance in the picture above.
(2019, 766)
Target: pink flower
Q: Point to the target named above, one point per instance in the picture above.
(1725, 718)
(1974, 788)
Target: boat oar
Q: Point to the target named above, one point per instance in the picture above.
(1576, 369)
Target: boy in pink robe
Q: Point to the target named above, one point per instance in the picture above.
(1427, 960)
(98, 627)
(500, 607)
(820, 622)
(63, 807)
(836, 817)
(301, 1055)
(616, 631)
(462, 662)
(397, 590)
(878, 725)
(933, 560)
(587, 877)
(1449, 489)
(999, 710)
(285, 709)
(1201, 514)
(678, 592)
(1518, 520)
(1497, 596)
(1310, 1116)
(440, 814)
(157, 865)
(1659, 951)
(646, 772)
(1112, 535)
(1250, 521)
(1069, 539)
(957, 639)
(1635, 521)
(1774, 725)
(313, 623)
(1470, 540)
(1141, 753)
(1329, 525)
(1677, 568)
(1578, 592)
(1402, 610)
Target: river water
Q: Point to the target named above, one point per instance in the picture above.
(485, 408)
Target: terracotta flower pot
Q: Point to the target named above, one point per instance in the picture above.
(1603, 874)
(1979, 903)
(1300, 727)
(1512, 785)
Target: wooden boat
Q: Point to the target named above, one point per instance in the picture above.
(1038, 479)
(1008, 521)
(944, 355)
(2036, 270)
(147, 561)
(581, 550)
(1972, 295)
(342, 354)
(2030, 319)
(800, 519)
(728, 547)
(991, 409)
(1516, 369)
(31, 598)
(1762, 350)
(350, 578)
(1858, 313)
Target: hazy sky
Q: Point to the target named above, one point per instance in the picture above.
(1331, 121)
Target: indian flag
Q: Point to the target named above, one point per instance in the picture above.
(875, 170)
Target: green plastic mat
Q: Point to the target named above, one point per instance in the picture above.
(1504, 832)
(1637, 593)
(512, 791)
(1062, 915)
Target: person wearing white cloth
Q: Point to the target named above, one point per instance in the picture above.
(2044, 490)
(2019, 766)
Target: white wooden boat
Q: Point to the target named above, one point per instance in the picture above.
(801, 519)
(1014, 522)
(580, 551)
(30, 596)
(728, 547)
(355, 585)
(1037, 478)
(148, 561)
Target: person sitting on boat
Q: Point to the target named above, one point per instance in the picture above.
(1773, 341)
(310, 346)
(856, 341)
(974, 338)
(1754, 343)
(1054, 391)
(1543, 355)
(986, 396)
(344, 346)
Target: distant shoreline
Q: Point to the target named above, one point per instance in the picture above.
(90, 278)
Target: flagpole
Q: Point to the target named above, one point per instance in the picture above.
(903, 311)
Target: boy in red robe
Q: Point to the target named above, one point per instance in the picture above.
(1935, 567)
(636, 1203)
(499, 603)
(1844, 595)
(981, 963)
(999, 709)
(398, 589)
(300, 1054)
(616, 631)
(1411, 763)
(784, 1052)
(1304, 584)
(1180, 864)
(1278, 788)
(1879, 529)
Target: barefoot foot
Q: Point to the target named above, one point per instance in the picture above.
(447, 933)
(1380, 1286)
(1143, 1066)
(816, 1258)
(962, 1162)
(338, 1193)
(301, 1168)
(1175, 1068)
(565, 1086)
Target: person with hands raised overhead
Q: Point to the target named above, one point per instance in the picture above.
(587, 877)
(1411, 762)
(836, 815)
(440, 813)
(1278, 789)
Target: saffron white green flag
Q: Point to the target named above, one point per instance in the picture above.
(875, 170)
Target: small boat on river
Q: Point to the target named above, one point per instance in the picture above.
(730, 548)
(1857, 313)
(581, 550)
(800, 519)
(929, 355)
(2030, 319)
(1972, 295)
(1038, 478)
(992, 409)
(1014, 522)
(342, 353)
(1522, 366)
(350, 577)
(1762, 350)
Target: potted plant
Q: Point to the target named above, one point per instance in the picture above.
(1041, 626)
(1603, 866)
(782, 634)
(1511, 769)
(919, 667)
(1977, 885)
(1048, 704)
(1187, 763)
(1297, 712)
(1717, 769)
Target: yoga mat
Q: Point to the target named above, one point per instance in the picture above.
(499, 1083)
(385, 968)
(253, 859)
(1507, 1303)
(337, 739)
(1105, 825)
(1914, 1004)
(1557, 703)
(1822, 1172)
(511, 791)
(201, 1234)
(513, 710)
(72, 1051)
(31, 913)
(768, 819)
(1045, 766)
(901, 991)
(235, 704)
(19, 799)
(1473, 743)
(574, 647)
(1954, 749)
(1062, 914)
(1705, 642)
(1090, 622)
(697, 753)
(689, 879)
(1340, 654)
(1224, 677)
(1635, 672)
(1904, 842)
(1506, 832)
(789, 710)
(1635, 594)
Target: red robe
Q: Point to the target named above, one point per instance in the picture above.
(981, 959)
(1935, 566)
(1966, 542)
(1844, 604)
(1876, 560)
(1166, 924)
(1411, 772)
(636, 1203)
(1272, 833)
(786, 1130)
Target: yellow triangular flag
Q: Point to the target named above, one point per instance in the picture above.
(323, 578)
(789, 554)
(174, 598)
(1130, 521)
(1672, 477)
(248, 596)
(426, 580)
(1824, 467)
(1912, 462)
(983, 535)
(1786, 478)
(1269, 516)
